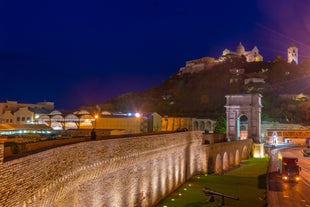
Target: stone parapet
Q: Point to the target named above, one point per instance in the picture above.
(136, 171)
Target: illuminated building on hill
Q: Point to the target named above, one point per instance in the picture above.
(292, 54)
(251, 55)
(206, 63)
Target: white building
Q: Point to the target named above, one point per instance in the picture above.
(251, 55)
(12, 112)
(292, 54)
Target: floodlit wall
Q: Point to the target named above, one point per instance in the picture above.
(129, 172)
(129, 124)
(136, 171)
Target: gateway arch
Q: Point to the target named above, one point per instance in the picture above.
(248, 105)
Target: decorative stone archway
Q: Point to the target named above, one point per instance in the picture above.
(238, 105)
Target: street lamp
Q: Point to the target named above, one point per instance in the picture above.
(93, 132)
(96, 117)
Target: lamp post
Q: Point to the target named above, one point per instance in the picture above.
(93, 132)
(96, 117)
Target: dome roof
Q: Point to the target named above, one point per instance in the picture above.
(240, 49)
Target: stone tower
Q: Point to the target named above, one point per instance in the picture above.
(292, 54)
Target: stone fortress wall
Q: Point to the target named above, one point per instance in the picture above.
(135, 171)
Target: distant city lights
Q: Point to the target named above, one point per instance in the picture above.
(135, 114)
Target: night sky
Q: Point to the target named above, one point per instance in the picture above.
(77, 52)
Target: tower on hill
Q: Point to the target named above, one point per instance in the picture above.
(292, 54)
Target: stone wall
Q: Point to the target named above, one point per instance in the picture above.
(135, 171)
(224, 156)
(129, 172)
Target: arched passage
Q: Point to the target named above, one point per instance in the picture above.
(231, 160)
(202, 125)
(237, 158)
(245, 153)
(225, 162)
(239, 105)
(218, 164)
(195, 125)
(242, 129)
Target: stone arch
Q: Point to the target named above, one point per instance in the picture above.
(218, 164)
(245, 153)
(208, 125)
(242, 127)
(237, 158)
(238, 105)
(195, 125)
(225, 162)
(202, 125)
(231, 159)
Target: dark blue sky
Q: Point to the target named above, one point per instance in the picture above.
(82, 52)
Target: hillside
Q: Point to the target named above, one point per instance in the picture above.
(203, 94)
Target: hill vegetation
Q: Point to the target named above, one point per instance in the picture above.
(203, 94)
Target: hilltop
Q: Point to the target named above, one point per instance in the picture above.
(202, 94)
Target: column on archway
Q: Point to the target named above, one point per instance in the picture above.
(238, 129)
(231, 117)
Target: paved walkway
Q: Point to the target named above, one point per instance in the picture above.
(272, 197)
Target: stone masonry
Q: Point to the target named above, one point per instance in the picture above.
(129, 172)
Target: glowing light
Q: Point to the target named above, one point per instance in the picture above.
(96, 116)
(137, 115)
(185, 189)
(172, 199)
(258, 151)
(180, 194)
(285, 178)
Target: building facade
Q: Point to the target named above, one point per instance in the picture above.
(206, 63)
(292, 54)
(12, 112)
(251, 55)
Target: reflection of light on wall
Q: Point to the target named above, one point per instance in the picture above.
(225, 161)
(170, 172)
(163, 179)
(143, 185)
(132, 193)
(155, 180)
(96, 198)
(177, 170)
(116, 199)
(181, 168)
(237, 158)
(218, 164)
(258, 150)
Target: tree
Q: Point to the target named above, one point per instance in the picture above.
(220, 126)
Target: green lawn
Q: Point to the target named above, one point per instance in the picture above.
(247, 182)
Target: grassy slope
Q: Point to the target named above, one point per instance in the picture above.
(247, 182)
